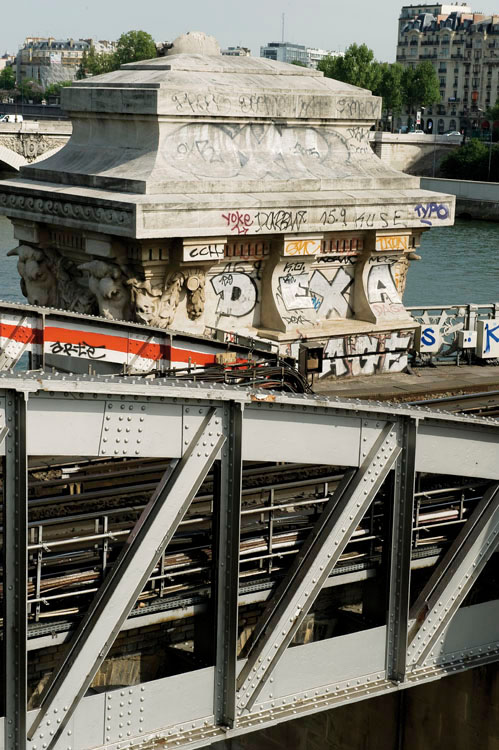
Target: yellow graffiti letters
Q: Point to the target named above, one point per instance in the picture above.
(302, 247)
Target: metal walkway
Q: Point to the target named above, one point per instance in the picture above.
(424, 637)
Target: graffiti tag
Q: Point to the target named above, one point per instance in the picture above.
(431, 211)
(78, 350)
(238, 222)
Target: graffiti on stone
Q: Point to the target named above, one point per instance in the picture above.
(331, 294)
(293, 289)
(281, 220)
(366, 354)
(203, 251)
(326, 297)
(431, 212)
(302, 247)
(382, 292)
(393, 242)
(237, 293)
(238, 222)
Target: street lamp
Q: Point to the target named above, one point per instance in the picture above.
(481, 111)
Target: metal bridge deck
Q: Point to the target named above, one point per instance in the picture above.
(424, 636)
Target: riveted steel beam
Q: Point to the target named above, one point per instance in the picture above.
(119, 592)
(451, 581)
(323, 554)
(227, 544)
(297, 567)
(400, 552)
(15, 566)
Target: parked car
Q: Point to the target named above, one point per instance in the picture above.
(11, 118)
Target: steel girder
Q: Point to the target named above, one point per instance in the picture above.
(453, 578)
(276, 427)
(400, 553)
(226, 568)
(119, 591)
(15, 560)
(322, 551)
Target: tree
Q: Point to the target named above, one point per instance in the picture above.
(54, 89)
(7, 78)
(471, 161)
(300, 63)
(357, 67)
(420, 86)
(493, 112)
(133, 46)
(95, 63)
(30, 89)
(390, 87)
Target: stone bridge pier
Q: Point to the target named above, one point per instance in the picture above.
(202, 193)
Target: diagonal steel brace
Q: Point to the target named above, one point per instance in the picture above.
(119, 591)
(321, 553)
(451, 581)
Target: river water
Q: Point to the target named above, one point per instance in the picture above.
(458, 265)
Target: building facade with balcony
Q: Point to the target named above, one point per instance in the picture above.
(463, 47)
(48, 60)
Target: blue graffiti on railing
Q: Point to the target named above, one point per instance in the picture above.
(490, 335)
(428, 336)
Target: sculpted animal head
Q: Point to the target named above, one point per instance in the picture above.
(108, 283)
(146, 299)
(38, 280)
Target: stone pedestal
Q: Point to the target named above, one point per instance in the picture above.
(200, 192)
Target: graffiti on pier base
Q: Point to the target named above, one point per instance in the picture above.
(367, 354)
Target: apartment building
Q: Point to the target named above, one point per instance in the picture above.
(463, 46)
(6, 60)
(49, 60)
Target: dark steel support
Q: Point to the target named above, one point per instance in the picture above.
(400, 553)
(322, 551)
(227, 566)
(453, 577)
(15, 561)
(120, 589)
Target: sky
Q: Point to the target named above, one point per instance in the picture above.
(328, 24)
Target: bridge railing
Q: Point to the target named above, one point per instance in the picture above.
(442, 324)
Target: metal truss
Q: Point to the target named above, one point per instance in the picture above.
(453, 578)
(370, 441)
(326, 543)
(117, 595)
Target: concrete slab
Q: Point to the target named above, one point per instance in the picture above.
(445, 380)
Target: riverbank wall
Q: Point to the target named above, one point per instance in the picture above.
(474, 200)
